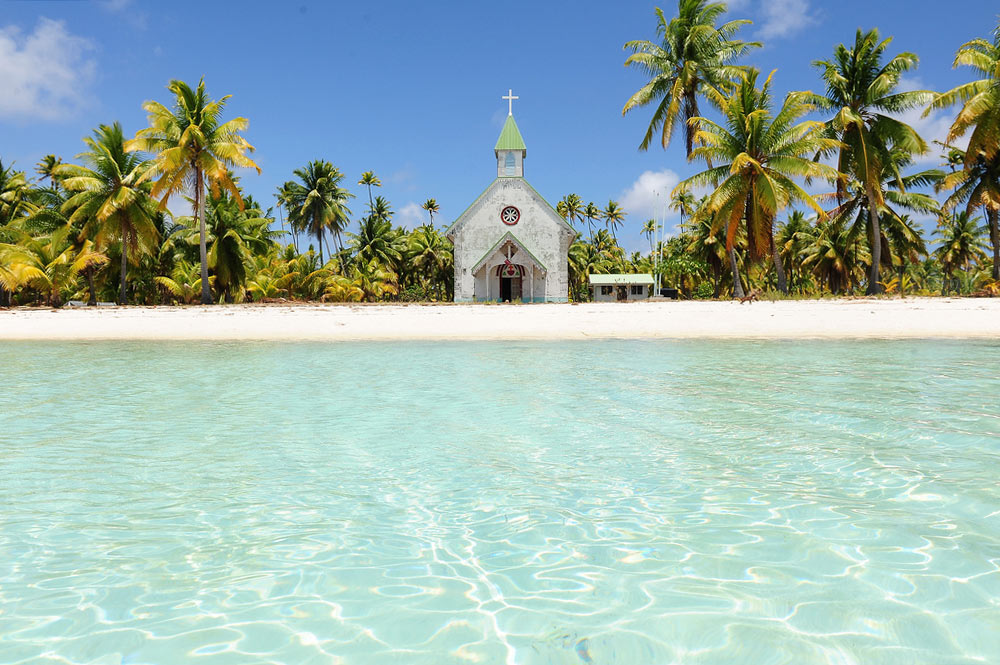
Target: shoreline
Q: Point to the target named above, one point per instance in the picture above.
(861, 318)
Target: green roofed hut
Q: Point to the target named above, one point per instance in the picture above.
(621, 287)
(510, 244)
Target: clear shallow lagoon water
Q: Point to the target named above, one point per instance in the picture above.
(582, 503)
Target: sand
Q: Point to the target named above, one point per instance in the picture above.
(847, 318)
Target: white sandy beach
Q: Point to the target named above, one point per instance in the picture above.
(858, 318)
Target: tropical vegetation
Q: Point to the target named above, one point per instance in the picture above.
(824, 192)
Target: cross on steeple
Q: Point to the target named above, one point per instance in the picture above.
(510, 97)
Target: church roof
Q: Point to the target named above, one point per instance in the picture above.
(510, 137)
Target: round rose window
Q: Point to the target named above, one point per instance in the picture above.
(510, 215)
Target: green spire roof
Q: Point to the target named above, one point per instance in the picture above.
(510, 137)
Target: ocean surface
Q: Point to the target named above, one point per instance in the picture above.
(590, 503)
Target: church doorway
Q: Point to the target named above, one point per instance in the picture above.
(510, 289)
(511, 277)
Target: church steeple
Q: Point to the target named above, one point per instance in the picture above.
(510, 149)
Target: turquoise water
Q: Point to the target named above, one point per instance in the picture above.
(573, 503)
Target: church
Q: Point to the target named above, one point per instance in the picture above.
(510, 244)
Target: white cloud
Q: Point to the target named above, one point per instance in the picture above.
(44, 74)
(411, 216)
(781, 18)
(648, 195)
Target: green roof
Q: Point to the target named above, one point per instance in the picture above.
(510, 137)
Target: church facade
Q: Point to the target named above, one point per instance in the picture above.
(510, 244)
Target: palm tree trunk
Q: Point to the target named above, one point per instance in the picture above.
(779, 269)
(92, 299)
(874, 288)
(991, 216)
(737, 285)
(4, 297)
(199, 204)
(122, 295)
(319, 241)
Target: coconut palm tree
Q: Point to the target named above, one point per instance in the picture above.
(369, 179)
(590, 213)
(835, 255)
(431, 206)
(49, 264)
(112, 198)
(234, 236)
(13, 194)
(980, 100)
(906, 245)
(614, 217)
(977, 184)
(193, 149)
(692, 52)
(684, 204)
(861, 91)
(571, 208)
(432, 255)
(377, 241)
(317, 202)
(962, 243)
(649, 227)
(760, 153)
(706, 245)
(898, 194)
(184, 283)
(793, 237)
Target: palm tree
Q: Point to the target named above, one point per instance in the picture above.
(46, 168)
(234, 236)
(977, 184)
(980, 100)
(49, 264)
(13, 193)
(897, 194)
(591, 212)
(834, 255)
(184, 282)
(683, 203)
(431, 206)
(961, 244)
(378, 241)
(792, 237)
(906, 244)
(614, 217)
(861, 91)
(112, 199)
(692, 53)
(705, 245)
(317, 202)
(193, 148)
(761, 153)
(570, 208)
(371, 180)
(432, 255)
(649, 227)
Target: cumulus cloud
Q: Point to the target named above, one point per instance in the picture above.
(411, 216)
(44, 74)
(775, 18)
(781, 18)
(648, 195)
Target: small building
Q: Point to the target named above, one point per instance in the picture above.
(621, 288)
(511, 244)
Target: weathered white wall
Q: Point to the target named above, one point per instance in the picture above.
(539, 229)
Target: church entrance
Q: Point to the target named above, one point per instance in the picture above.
(510, 289)
(511, 278)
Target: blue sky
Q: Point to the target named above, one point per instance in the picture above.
(412, 90)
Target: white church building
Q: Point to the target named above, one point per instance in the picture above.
(510, 244)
